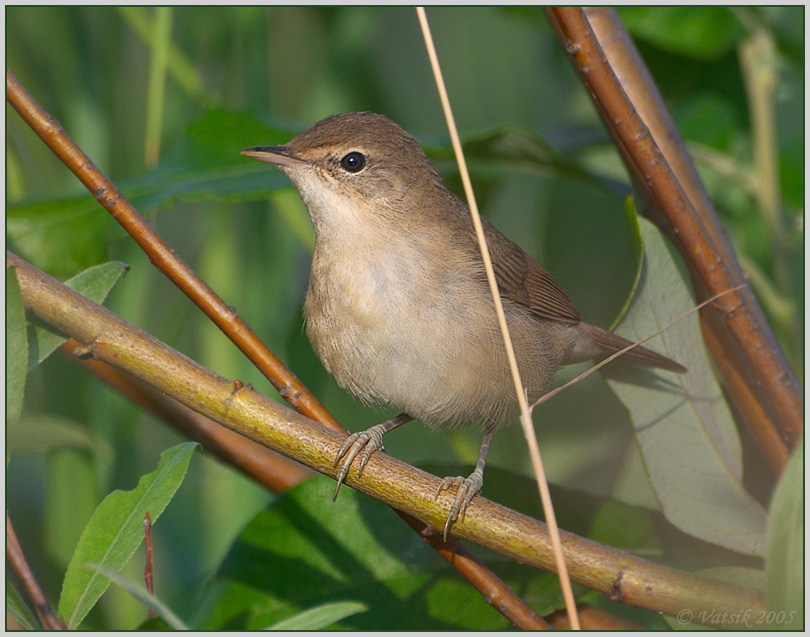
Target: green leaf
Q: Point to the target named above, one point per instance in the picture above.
(139, 592)
(16, 347)
(18, 610)
(210, 165)
(67, 234)
(160, 43)
(60, 236)
(683, 425)
(154, 623)
(624, 527)
(305, 550)
(320, 616)
(94, 283)
(116, 530)
(514, 147)
(698, 32)
(784, 560)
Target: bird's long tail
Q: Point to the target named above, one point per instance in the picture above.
(609, 343)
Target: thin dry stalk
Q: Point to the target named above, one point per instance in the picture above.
(592, 619)
(525, 412)
(148, 570)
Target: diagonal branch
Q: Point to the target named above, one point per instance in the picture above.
(270, 469)
(762, 385)
(163, 256)
(622, 576)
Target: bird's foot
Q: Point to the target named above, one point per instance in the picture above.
(468, 488)
(368, 442)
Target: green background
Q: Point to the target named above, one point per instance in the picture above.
(281, 69)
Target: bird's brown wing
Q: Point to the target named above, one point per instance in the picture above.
(524, 281)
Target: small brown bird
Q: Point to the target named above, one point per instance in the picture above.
(398, 308)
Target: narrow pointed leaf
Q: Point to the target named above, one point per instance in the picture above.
(320, 616)
(18, 610)
(116, 530)
(95, 283)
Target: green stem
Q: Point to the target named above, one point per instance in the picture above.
(759, 65)
(156, 92)
(180, 67)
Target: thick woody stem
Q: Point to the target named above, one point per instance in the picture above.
(757, 376)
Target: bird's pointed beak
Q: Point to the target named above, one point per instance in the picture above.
(279, 155)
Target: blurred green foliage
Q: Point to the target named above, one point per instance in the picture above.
(242, 76)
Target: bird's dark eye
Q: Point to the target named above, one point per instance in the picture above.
(353, 162)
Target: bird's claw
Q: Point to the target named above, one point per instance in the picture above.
(368, 442)
(468, 488)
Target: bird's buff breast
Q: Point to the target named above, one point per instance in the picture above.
(379, 323)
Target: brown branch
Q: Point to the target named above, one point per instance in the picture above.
(761, 383)
(162, 256)
(13, 624)
(149, 568)
(495, 591)
(226, 318)
(268, 468)
(17, 561)
(633, 580)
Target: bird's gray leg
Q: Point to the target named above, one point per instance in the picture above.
(368, 442)
(468, 487)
